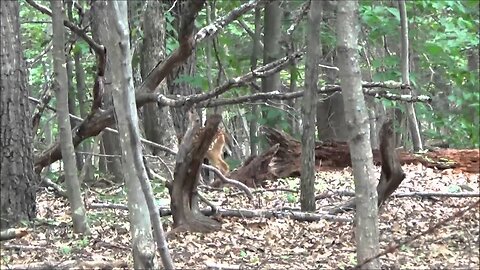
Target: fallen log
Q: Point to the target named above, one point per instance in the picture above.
(77, 264)
(241, 213)
(282, 159)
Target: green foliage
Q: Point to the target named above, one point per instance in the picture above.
(65, 250)
(440, 34)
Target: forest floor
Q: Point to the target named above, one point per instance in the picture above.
(275, 243)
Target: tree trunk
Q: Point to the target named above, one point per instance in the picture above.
(307, 183)
(356, 116)
(271, 50)
(186, 69)
(110, 141)
(184, 201)
(157, 121)
(18, 181)
(412, 118)
(141, 205)
(253, 62)
(330, 110)
(80, 224)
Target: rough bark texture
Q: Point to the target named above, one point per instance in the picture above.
(192, 150)
(271, 50)
(187, 69)
(118, 49)
(74, 193)
(392, 174)
(17, 179)
(356, 118)
(330, 111)
(157, 121)
(307, 183)
(100, 30)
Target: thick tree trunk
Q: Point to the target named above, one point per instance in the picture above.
(253, 62)
(356, 118)
(110, 141)
(142, 210)
(271, 50)
(157, 121)
(330, 111)
(18, 181)
(184, 201)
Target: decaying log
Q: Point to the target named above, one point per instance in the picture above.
(183, 193)
(255, 169)
(12, 233)
(285, 160)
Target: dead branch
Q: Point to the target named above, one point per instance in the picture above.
(77, 264)
(422, 194)
(241, 213)
(218, 25)
(103, 118)
(12, 233)
(298, 17)
(77, 30)
(56, 187)
(229, 181)
(22, 247)
(217, 266)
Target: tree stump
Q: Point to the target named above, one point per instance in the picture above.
(183, 193)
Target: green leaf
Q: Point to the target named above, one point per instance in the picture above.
(434, 49)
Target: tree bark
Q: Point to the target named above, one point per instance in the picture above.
(253, 62)
(184, 201)
(411, 115)
(330, 110)
(307, 182)
(186, 69)
(80, 224)
(157, 121)
(18, 181)
(271, 51)
(110, 141)
(142, 209)
(356, 116)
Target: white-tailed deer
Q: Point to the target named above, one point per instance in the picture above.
(215, 152)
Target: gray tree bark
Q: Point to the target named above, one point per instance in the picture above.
(330, 109)
(80, 224)
(141, 205)
(110, 141)
(253, 62)
(366, 230)
(18, 181)
(307, 182)
(157, 121)
(271, 50)
(411, 115)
